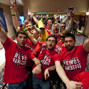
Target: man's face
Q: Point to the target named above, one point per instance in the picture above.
(29, 26)
(56, 28)
(49, 22)
(69, 43)
(34, 32)
(51, 43)
(42, 30)
(63, 26)
(21, 40)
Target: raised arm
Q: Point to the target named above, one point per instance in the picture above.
(70, 15)
(86, 45)
(31, 37)
(3, 35)
(34, 18)
(15, 14)
(69, 84)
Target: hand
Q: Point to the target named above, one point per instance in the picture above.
(39, 38)
(73, 85)
(31, 14)
(46, 74)
(37, 69)
(13, 6)
(12, 3)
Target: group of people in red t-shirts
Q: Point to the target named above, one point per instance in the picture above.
(44, 49)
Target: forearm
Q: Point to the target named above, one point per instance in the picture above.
(65, 19)
(71, 22)
(31, 37)
(51, 68)
(16, 22)
(36, 61)
(15, 16)
(35, 19)
(46, 72)
(86, 45)
(61, 72)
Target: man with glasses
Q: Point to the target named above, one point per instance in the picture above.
(45, 52)
(63, 26)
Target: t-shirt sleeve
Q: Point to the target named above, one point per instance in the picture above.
(8, 43)
(37, 49)
(30, 54)
(83, 51)
(57, 57)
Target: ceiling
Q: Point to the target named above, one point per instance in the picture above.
(19, 2)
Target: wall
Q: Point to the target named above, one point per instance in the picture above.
(25, 8)
(53, 5)
(87, 23)
(8, 20)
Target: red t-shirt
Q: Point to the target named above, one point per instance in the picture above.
(58, 37)
(83, 77)
(16, 60)
(60, 43)
(46, 57)
(74, 62)
(58, 49)
(48, 29)
(30, 44)
(32, 47)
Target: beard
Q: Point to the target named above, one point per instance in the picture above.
(69, 47)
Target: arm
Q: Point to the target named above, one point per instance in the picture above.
(34, 18)
(36, 61)
(86, 45)
(15, 14)
(46, 72)
(3, 35)
(65, 19)
(37, 69)
(69, 84)
(34, 41)
(70, 16)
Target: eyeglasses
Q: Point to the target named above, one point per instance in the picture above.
(63, 26)
(51, 40)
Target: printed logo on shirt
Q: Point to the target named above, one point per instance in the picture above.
(58, 49)
(46, 60)
(20, 59)
(31, 48)
(48, 30)
(72, 64)
(43, 48)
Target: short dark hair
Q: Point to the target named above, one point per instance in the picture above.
(21, 32)
(53, 37)
(69, 35)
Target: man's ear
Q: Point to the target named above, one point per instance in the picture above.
(75, 41)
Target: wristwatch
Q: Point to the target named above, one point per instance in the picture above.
(39, 64)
